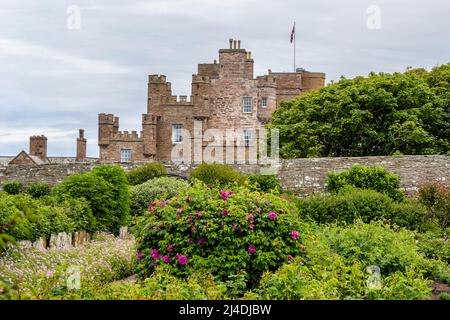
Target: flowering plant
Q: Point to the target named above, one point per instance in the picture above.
(224, 231)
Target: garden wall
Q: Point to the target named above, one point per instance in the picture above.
(301, 176)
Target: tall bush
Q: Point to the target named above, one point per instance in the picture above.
(372, 178)
(145, 173)
(216, 174)
(436, 196)
(162, 188)
(38, 190)
(105, 188)
(12, 187)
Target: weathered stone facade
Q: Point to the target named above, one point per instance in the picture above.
(219, 92)
(301, 176)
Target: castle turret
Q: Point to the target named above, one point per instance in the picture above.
(159, 90)
(201, 86)
(108, 125)
(38, 146)
(81, 147)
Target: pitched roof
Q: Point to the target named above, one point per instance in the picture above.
(24, 158)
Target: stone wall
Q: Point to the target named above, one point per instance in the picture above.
(301, 176)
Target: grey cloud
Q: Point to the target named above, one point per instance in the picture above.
(55, 80)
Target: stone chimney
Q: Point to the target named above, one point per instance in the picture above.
(38, 146)
(81, 147)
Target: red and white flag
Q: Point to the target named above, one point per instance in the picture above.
(293, 33)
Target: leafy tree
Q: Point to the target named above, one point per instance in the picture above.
(382, 114)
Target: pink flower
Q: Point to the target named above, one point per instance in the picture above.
(162, 203)
(190, 240)
(182, 260)
(224, 213)
(251, 249)
(193, 229)
(258, 210)
(155, 254)
(139, 255)
(290, 258)
(166, 259)
(201, 241)
(272, 215)
(252, 226)
(170, 247)
(251, 217)
(294, 235)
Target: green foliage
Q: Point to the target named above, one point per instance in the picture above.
(217, 230)
(146, 173)
(436, 196)
(217, 175)
(366, 205)
(38, 190)
(12, 187)
(372, 178)
(407, 113)
(264, 183)
(105, 188)
(337, 262)
(162, 188)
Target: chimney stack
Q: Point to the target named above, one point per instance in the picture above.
(239, 44)
(38, 146)
(231, 43)
(81, 147)
(234, 44)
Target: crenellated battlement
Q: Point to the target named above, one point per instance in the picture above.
(156, 78)
(178, 100)
(267, 81)
(126, 136)
(199, 78)
(149, 119)
(38, 137)
(106, 118)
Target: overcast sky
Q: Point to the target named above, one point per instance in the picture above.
(55, 78)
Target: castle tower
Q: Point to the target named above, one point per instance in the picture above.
(235, 62)
(38, 146)
(81, 147)
(107, 126)
(158, 90)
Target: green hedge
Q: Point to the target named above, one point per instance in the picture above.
(372, 178)
(217, 175)
(146, 173)
(38, 190)
(264, 183)
(367, 205)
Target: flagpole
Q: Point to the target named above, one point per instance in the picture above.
(295, 36)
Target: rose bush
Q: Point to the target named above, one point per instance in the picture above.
(223, 231)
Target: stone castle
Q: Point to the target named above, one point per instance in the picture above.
(225, 95)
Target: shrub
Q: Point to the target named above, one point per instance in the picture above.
(38, 190)
(222, 231)
(106, 190)
(162, 188)
(372, 178)
(436, 196)
(143, 174)
(337, 262)
(12, 187)
(217, 175)
(265, 183)
(366, 205)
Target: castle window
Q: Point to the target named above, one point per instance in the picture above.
(264, 102)
(247, 104)
(125, 155)
(247, 137)
(177, 136)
